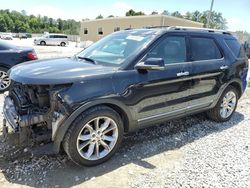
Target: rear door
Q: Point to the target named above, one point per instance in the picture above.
(208, 69)
(58, 39)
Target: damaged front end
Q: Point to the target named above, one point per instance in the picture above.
(33, 113)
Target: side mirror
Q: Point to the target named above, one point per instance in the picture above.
(151, 64)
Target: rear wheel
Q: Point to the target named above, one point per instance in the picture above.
(94, 136)
(63, 44)
(226, 105)
(5, 82)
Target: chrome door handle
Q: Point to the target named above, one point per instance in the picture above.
(183, 73)
(223, 67)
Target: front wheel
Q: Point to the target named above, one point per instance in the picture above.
(5, 81)
(94, 136)
(226, 105)
(42, 43)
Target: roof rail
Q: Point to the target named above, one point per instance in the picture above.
(199, 29)
(192, 29)
(159, 26)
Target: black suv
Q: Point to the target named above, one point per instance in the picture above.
(125, 81)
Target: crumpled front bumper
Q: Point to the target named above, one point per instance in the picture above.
(11, 131)
(10, 114)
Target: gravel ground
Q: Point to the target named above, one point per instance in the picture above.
(189, 152)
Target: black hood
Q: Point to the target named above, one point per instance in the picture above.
(56, 71)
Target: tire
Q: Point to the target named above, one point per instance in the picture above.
(63, 44)
(5, 82)
(216, 113)
(82, 127)
(42, 43)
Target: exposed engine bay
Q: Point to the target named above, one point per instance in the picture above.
(33, 112)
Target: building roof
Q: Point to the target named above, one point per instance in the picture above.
(142, 16)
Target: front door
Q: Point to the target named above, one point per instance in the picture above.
(160, 94)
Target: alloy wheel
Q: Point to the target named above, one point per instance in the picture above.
(97, 138)
(4, 80)
(228, 104)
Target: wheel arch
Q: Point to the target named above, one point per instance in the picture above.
(116, 105)
(238, 87)
(4, 66)
(43, 41)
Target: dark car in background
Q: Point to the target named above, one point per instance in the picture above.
(125, 81)
(10, 56)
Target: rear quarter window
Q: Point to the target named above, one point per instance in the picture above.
(204, 49)
(235, 47)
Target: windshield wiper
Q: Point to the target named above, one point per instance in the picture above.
(87, 59)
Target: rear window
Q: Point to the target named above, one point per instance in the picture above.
(204, 49)
(235, 47)
(6, 46)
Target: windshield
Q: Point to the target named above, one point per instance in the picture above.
(117, 48)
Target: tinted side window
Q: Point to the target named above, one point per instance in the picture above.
(204, 49)
(172, 50)
(52, 36)
(235, 47)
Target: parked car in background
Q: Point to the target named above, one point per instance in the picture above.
(10, 56)
(6, 36)
(22, 35)
(52, 39)
(123, 82)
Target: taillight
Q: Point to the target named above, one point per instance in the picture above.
(32, 55)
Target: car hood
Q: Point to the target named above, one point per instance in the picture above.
(57, 71)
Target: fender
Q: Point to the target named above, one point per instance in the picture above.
(67, 123)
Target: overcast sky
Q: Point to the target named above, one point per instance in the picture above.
(237, 12)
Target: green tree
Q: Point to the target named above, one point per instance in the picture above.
(177, 14)
(99, 17)
(196, 15)
(131, 12)
(3, 25)
(188, 16)
(24, 13)
(154, 13)
(165, 12)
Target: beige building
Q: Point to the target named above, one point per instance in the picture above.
(94, 30)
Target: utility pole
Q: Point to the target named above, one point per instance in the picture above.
(209, 14)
